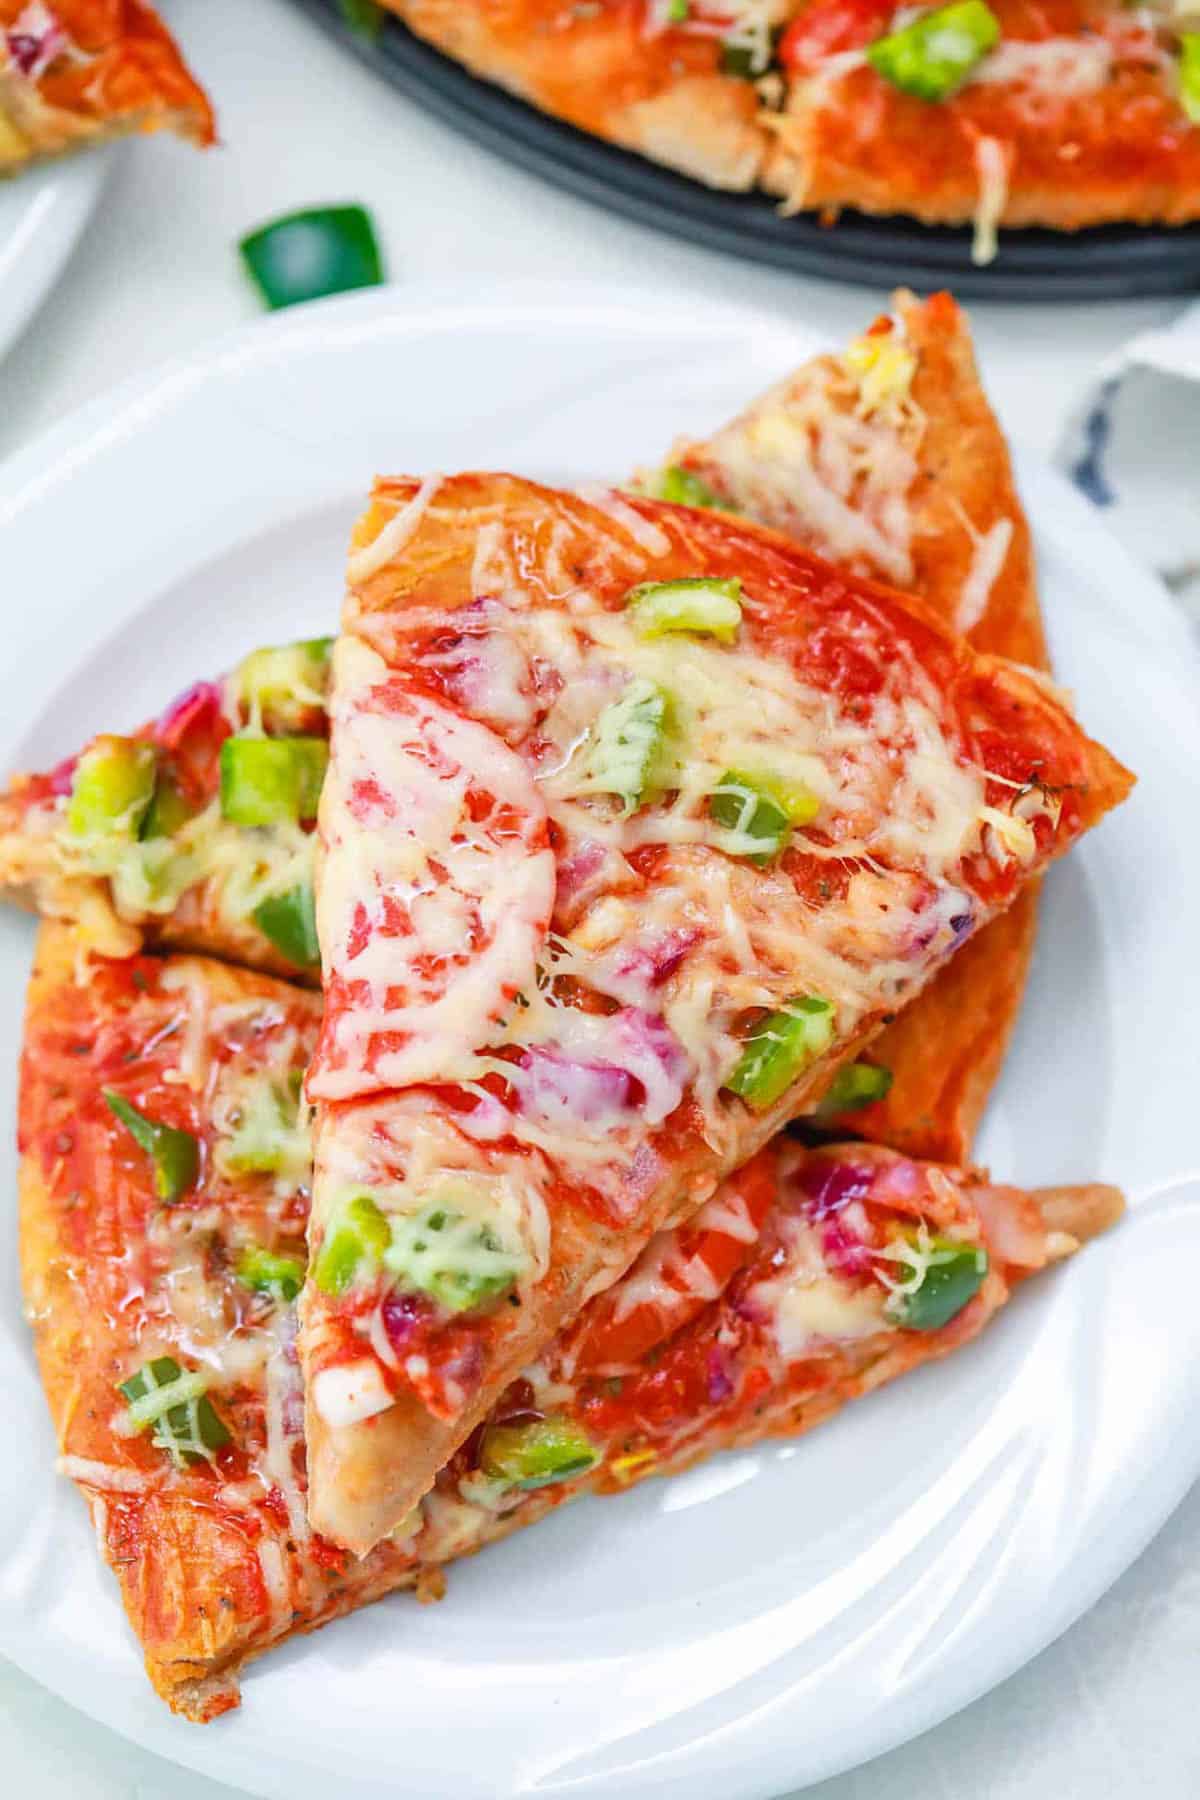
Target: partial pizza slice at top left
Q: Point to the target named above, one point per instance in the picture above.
(79, 72)
(639, 820)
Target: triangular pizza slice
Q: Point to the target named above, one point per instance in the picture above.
(639, 822)
(161, 1282)
(79, 72)
(889, 459)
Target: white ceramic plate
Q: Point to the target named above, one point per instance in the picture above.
(41, 217)
(777, 1614)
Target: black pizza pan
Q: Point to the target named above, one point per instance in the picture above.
(1116, 262)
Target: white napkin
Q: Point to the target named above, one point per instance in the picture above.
(1134, 449)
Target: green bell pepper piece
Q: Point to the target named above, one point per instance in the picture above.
(712, 608)
(1189, 74)
(359, 1233)
(266, 1273)
(168, 811)
(176, 1403)
(952, 1274)
(536, 1454)
(267, 780)
(624, 744)
(289, 921)
(364, 17)
(759, 806)
(780, 1048)
(457, 1261)
(174, 1153)
(856, 1085)
(933, 55)
(112, 787)
(284, 684)
(305, 255)
(680, 485)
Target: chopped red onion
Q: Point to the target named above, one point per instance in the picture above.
(201, 703)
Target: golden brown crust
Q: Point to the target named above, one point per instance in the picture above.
(602, 72)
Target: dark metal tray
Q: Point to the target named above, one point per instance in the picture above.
(1116, 262)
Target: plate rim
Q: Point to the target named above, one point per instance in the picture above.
(70, 192)
(422, 308)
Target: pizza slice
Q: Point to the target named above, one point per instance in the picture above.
(78, 72)
(675, 82)
(197, 830)
(1000, 112)
(161, 1284)
(887, 458)
(639, 822)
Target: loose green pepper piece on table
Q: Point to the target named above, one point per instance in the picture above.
(684, 488)
(266, 1273)
(624, 744)
(934, 54)
(856, 1085)
(359, 1233)
(268, 780)
(174, 1153)
(760, 807)
(536, 1454)
(284, 684)
(289, 921)
(950, 1275)
(176, 1403)
(712, 608)
(305, 255)
(457, 1261)
(780, 1048)
(112, 788)
(1189, 74)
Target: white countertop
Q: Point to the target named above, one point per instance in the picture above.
(1108, 1713)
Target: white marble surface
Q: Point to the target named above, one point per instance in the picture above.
(1108, 1713)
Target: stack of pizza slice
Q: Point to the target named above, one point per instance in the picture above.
(623, 831)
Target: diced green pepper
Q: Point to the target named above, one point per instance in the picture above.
(1189, 74)
(268, 780)
(289, 921)
(168, 811)
(459, 1261)
(684, 488)
(112, 788)
(624, 744)
(778, 1050)
(856, 1085)
(185, 1422)
(267, 1273)
(283, 684)
(677, 11)
(934, 54)
(712, 608)
(267, 1134)
(174, 1153)
(945, 1276)
(761, 807)
(305, 255)
(536, 1454)
(359, 1233)
(364, 17)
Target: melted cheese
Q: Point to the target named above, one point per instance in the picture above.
(990, 550)
(476, 901)
(350, 1392)
(808, 1306)
(395, 534)
(992, 162)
